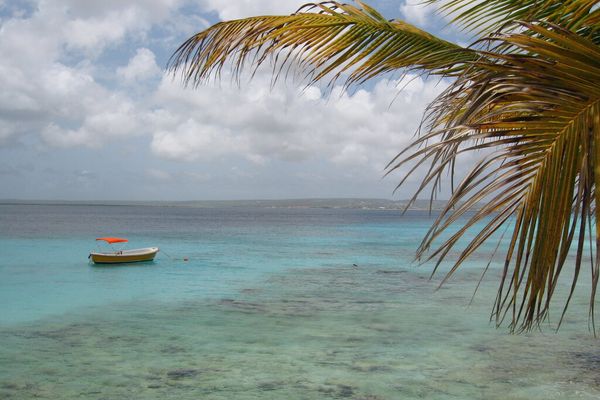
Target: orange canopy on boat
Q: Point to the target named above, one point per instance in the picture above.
(112, 240)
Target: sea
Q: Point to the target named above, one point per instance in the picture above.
(266, 301)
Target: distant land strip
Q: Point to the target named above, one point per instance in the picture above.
(349, 203)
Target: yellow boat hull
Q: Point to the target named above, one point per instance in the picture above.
(125, 256)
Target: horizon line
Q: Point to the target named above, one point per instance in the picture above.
(113, 201)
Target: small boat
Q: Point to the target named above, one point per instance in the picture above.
(122, 256)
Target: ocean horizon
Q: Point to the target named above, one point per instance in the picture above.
(296, 299)
(317, 202)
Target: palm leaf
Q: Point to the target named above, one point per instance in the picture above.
(491, 15)
(320, 38)
(538, 110)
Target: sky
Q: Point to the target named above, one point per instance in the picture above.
(88, 112)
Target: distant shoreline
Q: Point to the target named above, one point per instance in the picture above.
(339, 203)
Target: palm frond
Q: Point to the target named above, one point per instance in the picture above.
(320, 38)
(489, 16)
(538, 110)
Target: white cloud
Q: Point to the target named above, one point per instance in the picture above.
(261, 124)
(94, 34)
(63, 87)
(66, 105)
(50, 58)
(142, 66)
(60, 137)
(233, 9)
(190, 139)
(69, 107)
(417, 12)
(105, 117)
(153, 9)
(436, 17)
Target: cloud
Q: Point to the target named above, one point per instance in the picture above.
(49, 70)
(68, 104)
(190, 139)
(94, 34)
(153, 10)
(246, 8)
(415, 12)
(67, 107)
(7, 130)
(142, 66)
(159, 175)
(80, 76)
(175, 177)
(110, 117)
(261, 124)
(436, 17)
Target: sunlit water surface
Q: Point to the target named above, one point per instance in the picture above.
(271, 304)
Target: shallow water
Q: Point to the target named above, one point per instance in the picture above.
(268, 306)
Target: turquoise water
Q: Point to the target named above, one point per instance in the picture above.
(269, 305)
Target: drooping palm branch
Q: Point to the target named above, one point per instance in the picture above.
(491, 15)
(539, 112)
(321, 38)
(528, 94)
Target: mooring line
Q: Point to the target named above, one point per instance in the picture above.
(173, 258)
